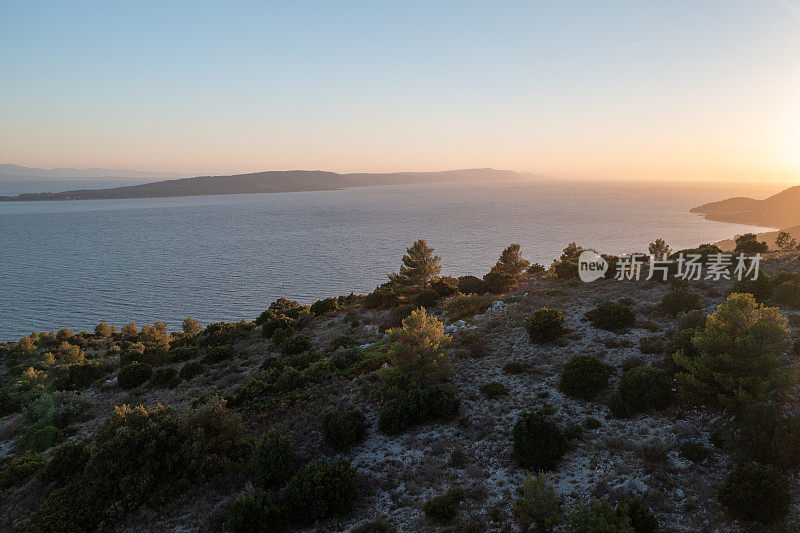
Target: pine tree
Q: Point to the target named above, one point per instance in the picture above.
(506, 271)
(738, 357)
(419, 267)
(659, 248)
(785, 242)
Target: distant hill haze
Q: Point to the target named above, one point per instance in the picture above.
(268, 182)
(16, 172)
(779, 211)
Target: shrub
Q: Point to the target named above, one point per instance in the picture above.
(165, 377)
(756, 492)
(72, 508)
(445, 286)
(739, 354)
(470, 285)
(680, 300)
(342, 341)
(761, 288)
(217, 354)
(494, 389)
(584, 376)
(321, 490)
(178, 354)
(191, 326)
(507, 271)
(320, 307)
(694, 451)
(539, 444)
(60, 408)
(383, 297)
(145, 454)
(612, 316)
(40, 438)
(770, 437)
(691, 320)
(631, 362)
(592, 423)
(418, 406)
(341, 431)
(641, 389)
(344, 357)
(133, 375)
(425, 298)
(652, 345)
(190, 370)
(466, 306)
(273, 460)
(417, 347)
(597, 516)
(296, 344)
(255, 512)
(443, 508)
(103, 330)
(21, 468)
(545, 325)
(640, 516)
(538, 504)
(80, 376)
(750, 245)
(67, 464)
(514, 367)
(224, 333)
(788, 294)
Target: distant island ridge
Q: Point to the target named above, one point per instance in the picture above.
(781, 210)
(268, 182)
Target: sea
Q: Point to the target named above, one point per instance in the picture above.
(74, 264)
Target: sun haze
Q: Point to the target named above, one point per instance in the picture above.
(668, 90)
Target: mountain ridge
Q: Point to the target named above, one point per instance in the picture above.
(267, 182)
(777, 211)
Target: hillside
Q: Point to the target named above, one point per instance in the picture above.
(268, 182)
(780, 211)
(728, 245)
(183, 468)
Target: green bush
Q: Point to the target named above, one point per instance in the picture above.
(344, 357)
(761, 288)
(597, 516)
(321, 490)
(584, 376)
(692, 320)
(767, 435)
(21, 468)
(470, 285)
(514, 367)
(680, 300)
(538, 505)
(342, 431)
(545, 325)
(445, 286)
(224, 333)
(418, 406)
(60, 408)
(217, 354)
(612, 316)
(133, 375)
(640, 516)
(756, 492)
(40, 437)
(750, 245)
(788, 294)
(147, 455)
(165, 377)
(425, 298)
(296, 344)
(342, 341)
(67, 464)
(539, 444)
(443, 508)
(256, 512)
(80, 376)
(320, 307)
(494, 389)
(72, 509)
(190, 370)
(694, 451)
(179, 354)
(273, 460)
(652, 345)
(641, 389)
(739, 355)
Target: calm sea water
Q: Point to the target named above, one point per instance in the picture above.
(74, 264)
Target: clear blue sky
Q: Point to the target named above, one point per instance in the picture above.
(684, 89)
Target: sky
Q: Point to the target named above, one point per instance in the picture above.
(673, 89)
